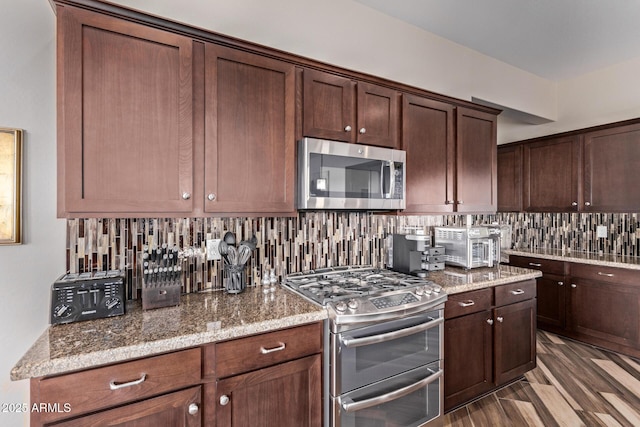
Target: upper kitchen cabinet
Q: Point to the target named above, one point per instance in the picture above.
(125, 116)
(590, 170)
(341, 109)
(428, 139)
(476, 161)
(249, 151)
(611, 165)
(551, 175)
(510, 178)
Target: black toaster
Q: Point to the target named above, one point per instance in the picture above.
(86, 296)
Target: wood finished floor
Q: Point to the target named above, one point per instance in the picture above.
(573, 385)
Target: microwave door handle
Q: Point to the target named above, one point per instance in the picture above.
(382, 166)
(348, 405)
(392, 181)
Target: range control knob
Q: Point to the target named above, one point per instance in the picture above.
(427, 290)
(437, 289)
(352, 304)
(341, 306)
(419, 292)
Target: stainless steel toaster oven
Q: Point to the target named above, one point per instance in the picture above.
(469, 247)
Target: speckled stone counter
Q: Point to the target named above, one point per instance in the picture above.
(199, 319)
(455, 280)
(619, 261)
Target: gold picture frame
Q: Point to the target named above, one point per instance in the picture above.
(10, 186)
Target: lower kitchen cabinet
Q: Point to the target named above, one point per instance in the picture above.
(271, 379)
(158, 390)
(551, 290)
(177, 409)
(288, 394)
(590, 303)
(489, 340)
(604, 307)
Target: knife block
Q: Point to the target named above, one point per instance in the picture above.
(161, 281)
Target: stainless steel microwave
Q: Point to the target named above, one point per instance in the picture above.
(339, 175)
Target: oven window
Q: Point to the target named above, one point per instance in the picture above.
(359, 365)
(410, 410)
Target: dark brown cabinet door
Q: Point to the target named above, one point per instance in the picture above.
(179, 409)
(289, 394)
(378, 116)
(515, 340)
(605, 312)
(611, 165)
(428, 139)
(510, 178)
(468, 349)
(124, 116)
(551, 294)
(249, 133)
(551, 175)
(476, 161)
(328, 106)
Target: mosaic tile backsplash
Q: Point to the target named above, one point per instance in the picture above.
(315, 240)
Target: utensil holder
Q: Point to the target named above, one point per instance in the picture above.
(234, 278)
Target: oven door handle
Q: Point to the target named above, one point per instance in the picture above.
(348, 405)
(351, 342)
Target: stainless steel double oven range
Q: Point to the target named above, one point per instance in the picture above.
(383, 345)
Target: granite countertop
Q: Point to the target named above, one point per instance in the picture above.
(455, 280)
(619, 261)
(199, 319)
(204, 318)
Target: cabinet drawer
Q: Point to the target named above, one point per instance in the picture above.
(544, 265)
(255, 352)
(468, 302)
(108, 386)
(606, 274)
(515, 292)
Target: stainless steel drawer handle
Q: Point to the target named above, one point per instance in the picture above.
(533, 264)
(115, 386)
(517, 292)
(466, 304)
(490, 321)
(561, 283)
(280, 347)
(600, 273)
(573, 285)
(348, 405)
(351, 342)
(500, 319)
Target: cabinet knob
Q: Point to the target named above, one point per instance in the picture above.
(561, 283)
(460, 202)
(573, 285)
(347, 128)
(500, 319)
(211, 196)
(574, 203)
(490, 321)
(587, 203)
(186, 196)
(448, 202)
(193, 408)
(224, 400)
(363, 131)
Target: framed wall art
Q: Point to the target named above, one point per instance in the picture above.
(10, 186)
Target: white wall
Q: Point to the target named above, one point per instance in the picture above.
(27, 85)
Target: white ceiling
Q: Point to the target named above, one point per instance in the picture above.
(554, 39)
